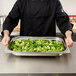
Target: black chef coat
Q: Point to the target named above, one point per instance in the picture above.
(38, 18)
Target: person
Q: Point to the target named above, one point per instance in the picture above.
(38, 18)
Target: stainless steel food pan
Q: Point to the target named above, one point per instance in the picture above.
(66, 51)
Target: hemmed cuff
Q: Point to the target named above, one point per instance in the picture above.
(68, 27)
(2, 33)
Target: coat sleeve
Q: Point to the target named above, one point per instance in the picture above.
(12, 19)
(62, 19)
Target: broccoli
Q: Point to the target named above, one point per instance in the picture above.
(31, 45)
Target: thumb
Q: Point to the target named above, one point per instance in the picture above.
(67, 42)
(7, 41)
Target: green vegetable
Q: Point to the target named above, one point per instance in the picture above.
(32, 45)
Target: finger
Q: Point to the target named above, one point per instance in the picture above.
(6, 45)
(70, 45)
(5, 42)
(67, 43)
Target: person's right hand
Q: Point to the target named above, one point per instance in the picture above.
(5, 40)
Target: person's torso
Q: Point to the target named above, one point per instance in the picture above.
(38, 18)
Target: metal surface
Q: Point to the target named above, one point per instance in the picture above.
(66, 51)
(13, 64)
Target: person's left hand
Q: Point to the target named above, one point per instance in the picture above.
(69, 42)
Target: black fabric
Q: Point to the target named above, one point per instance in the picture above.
(37, 18)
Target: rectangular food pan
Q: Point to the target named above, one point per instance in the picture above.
(66, 51)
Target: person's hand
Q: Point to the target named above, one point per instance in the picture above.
(5, 40)
(69, 42)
